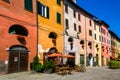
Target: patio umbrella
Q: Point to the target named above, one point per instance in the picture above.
(56, 55)
(68, 56)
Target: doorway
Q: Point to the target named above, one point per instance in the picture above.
(18, 59)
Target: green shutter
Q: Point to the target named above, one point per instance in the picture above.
(28, 5)
(47, 12)
(7, 0)
(39, 8)
(59, 2)
(58, 18)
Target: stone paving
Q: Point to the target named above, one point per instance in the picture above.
(92, 73)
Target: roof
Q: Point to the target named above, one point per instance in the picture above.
(78, 7)
(114, 35)
(103, 22)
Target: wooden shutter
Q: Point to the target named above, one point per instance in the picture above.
(28, 5)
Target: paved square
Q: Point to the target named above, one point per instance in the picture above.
(92, 73)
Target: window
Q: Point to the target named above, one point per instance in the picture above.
(58, 18)
(7, 1)
(75, 29)
(90, 23)
(18, 30)
(105, 40)
(28, 5)
(43, 10)
(95, 37)
(66, 8)
(79, 17)
(79, 28)
(67, 23)
(99, 29)
(95, 27)
(90, 32)
(74, 14)
(99, 38)
(59, 2)
(102, 39)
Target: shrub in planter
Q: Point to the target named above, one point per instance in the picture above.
(49, 66)
(113, 64)
(38, 67)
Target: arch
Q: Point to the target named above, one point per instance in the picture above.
(52, 35)
(53, 50)
(89, 44)
(18, 48)
(81, 42)
(70, 39)
(97, 46)
(18, 29)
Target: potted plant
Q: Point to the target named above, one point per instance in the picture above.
(49, 66)
(38, 67)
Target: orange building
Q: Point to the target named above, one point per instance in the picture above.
(17, 35)
(50, 27)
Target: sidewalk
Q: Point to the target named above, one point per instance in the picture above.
(92, 73)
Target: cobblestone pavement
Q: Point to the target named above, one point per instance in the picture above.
(92, 73)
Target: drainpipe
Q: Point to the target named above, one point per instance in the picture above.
(86, 42)
(63, 30)
(37, 29)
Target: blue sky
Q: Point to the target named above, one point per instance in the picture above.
(106, 10)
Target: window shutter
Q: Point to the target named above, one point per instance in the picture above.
(47, 12)
(28, 5)
(58, 18)
(59, 2)
(39, 8)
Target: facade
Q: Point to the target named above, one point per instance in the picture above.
(18, 32)
(97, 43)
(50, 27)
(70, 30)
(78, 26)
(115, 45)
(105, 49)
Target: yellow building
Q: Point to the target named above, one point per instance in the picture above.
(50, 26)
(97, 44)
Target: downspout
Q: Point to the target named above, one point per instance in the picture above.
(63, 29)
(86, 42)
(37, 28)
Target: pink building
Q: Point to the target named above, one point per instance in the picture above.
(104, 38)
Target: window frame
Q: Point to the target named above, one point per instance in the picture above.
(28, 8)
(90, 32)
(79, 28)
(59, 2)
(58, 18)
(66, 8)
(74, 13)
(75, 29)
(67, 23)
(79, 16)
(43, 10)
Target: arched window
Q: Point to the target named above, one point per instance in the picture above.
(81, 42)
(52, 35)
(89, 44)
(70, 39)
(18, 29)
